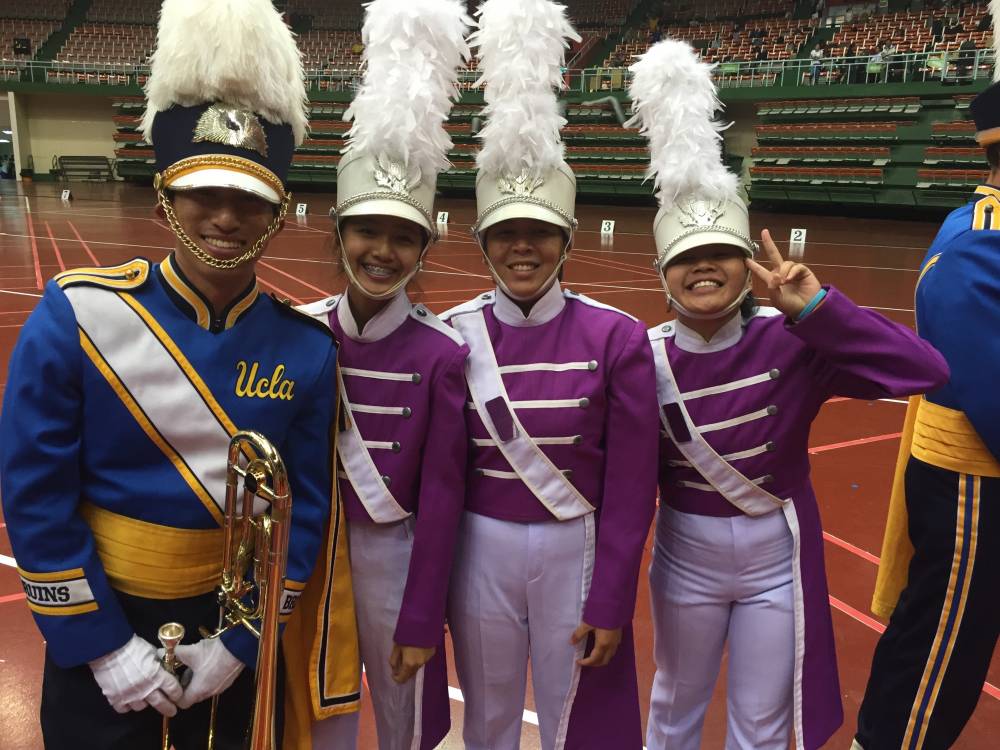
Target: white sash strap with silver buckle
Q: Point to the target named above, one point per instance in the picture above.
(155, 379)
(361, 470)
(535, 469)
(722, 475)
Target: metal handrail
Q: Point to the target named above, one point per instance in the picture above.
(948, 66)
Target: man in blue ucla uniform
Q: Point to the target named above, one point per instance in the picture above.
(940, 568)
(126, 385)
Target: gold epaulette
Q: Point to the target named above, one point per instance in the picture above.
(946, 438)
(130, 275)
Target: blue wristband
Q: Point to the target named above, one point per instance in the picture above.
(813, 304)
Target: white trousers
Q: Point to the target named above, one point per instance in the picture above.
(516, 594)
(380, 562)
(713, 581)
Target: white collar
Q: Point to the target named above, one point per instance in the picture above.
(727, 336)
(545, 308)
(385, 321)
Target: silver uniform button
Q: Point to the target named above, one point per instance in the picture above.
(577, 439)
(767, 479)
(421, 312)
(775, 373)
(592, 365)
(396, 447)
(331, 302)
(770, 446)
(584, 403)
(568, 473)
(666, 329)
(386, 480)
(772, 410)
(415, 377)
(407, 412)
(486, 296)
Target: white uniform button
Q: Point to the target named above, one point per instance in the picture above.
(407, 411)
(584, 403)
(416, 377)
(772, 410)
(592, 365)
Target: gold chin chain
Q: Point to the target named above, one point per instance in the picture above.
(209, 259)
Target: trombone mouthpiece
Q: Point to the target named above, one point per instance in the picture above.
(170, 635)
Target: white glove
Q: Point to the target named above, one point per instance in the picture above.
(132, 678)
(213, 669)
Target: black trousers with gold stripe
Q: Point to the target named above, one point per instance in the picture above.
(930, 664)
(75, 715)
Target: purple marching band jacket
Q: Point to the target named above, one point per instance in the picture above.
(739, 445)
(562, 420)
(402, 448)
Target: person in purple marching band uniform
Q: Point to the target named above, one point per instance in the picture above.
(738, 557)
(402, 443)
(561, 415)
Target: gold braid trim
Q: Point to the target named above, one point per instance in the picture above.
(207, 161)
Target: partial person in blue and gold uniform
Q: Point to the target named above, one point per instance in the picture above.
(127, 384)
(940, 569)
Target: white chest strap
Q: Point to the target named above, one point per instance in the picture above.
(722, 475)
(146, 363)
(361, 470)
(536, 470)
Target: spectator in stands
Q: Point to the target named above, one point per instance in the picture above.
(852, 69)
(7, 168)
(966, 58)
(816, 56)
(937, 29)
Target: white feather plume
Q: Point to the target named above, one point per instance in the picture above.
(413, 50)
(674, 103)
(239, 52)
(522, 47)
(995, 13)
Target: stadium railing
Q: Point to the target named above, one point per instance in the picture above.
(944, 67)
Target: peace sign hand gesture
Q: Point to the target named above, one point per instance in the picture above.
(790, 285)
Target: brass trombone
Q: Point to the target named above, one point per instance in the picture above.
(257, 545)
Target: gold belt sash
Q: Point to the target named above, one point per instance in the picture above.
(946, 438)
(153, 561)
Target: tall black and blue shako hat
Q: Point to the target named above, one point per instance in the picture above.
(985, 108)
(225, 106)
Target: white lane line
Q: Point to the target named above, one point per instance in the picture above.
(530, 717)
(10, 562)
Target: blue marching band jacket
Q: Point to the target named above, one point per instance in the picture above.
(122, 397)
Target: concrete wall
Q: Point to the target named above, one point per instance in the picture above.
(62, 125)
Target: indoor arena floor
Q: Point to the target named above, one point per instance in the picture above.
(853, 443)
